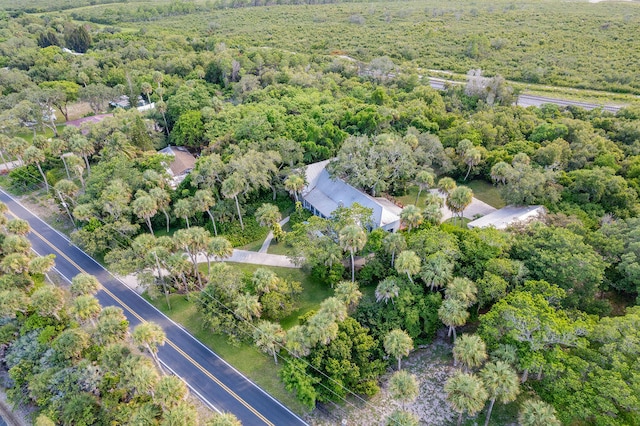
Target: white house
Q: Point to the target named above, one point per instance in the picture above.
(509, 215)
(323, 195)
(181, 165)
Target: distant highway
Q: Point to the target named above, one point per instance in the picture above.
(220, 386)
(525, 100)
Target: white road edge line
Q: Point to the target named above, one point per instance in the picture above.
(156, 309)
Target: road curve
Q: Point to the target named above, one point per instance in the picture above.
(218, 384)
(525, 100)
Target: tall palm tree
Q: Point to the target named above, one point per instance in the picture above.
(264, 280)
(268, 215)
(500, 171)
(80, 145)
(321, 328)
(465, 393)
(247, 307)
(537, 413)
(462, 289)
(348, 293)
(394, 243)
(83, 284)
(436, 271)
(401, 418)
(150, 335)
(162, 200)
(294, 183)
(458, 200)
(502, 383)
(446, 185)
(472, 157)
(220, 248)
(397, 343)
(352, 239)
(183, 208)
(411, 216)
(269, 337)
(297, 341)
(203, 201)
(66, 191)
(403, 387)
(193, 241)
(387, 289)
(77, 166)
(425, 180)
(408, 263)
(453, 313)
(145, 207)
(231, 188)
(470, 350)
(223, 419)
(334, 309)
(86, 308)
(33, 155)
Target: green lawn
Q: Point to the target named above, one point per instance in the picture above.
(486, 192)
(246, 358)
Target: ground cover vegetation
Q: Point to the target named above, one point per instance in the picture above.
(540, 296)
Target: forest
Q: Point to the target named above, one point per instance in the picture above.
(541, 318)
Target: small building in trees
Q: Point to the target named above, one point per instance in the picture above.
(323, 194)
(181, 165)
(508, 216)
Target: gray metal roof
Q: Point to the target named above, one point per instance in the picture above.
(327, 194)
(508, 215)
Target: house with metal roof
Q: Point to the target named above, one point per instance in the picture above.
(324, 194)
(509, 215)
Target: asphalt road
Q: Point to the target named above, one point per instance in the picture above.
(208, 376)
(525, 100)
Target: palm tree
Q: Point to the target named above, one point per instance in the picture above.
(537, 413)
(83, 284)
(465, 393)
(294, 184)
(462, 289)
(387, 289)
(223, 419)
(66, 191)
(5, 141)
(268, 215)
(231, 187)
(203, 201)
(446, 185)
(247, 307)
(86, 308)
(321, 329)
(33, 155)
(436, 271)
(397, 343)
(472, 158)
(402, 418)
(150, 335)
(502, 383)
(269, 337)
(193, 241)
(394, 243)
(348, 293)
(470, 350)
(432, 213)
(169, 391)
(112, 326)
(453, 313)
(425, 180)
(403, 386)
(297, 341)
(147, 89)
(83, 147)
(459, 199)
(145, 207)
(500, 171)
(411, 216)
(408, 263)
(334, 309)
(162, 200)
(264, 280)
(183, 209)
(77, 166)
(352, 239)
(220, 248)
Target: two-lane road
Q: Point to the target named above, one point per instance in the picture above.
(218, 384)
